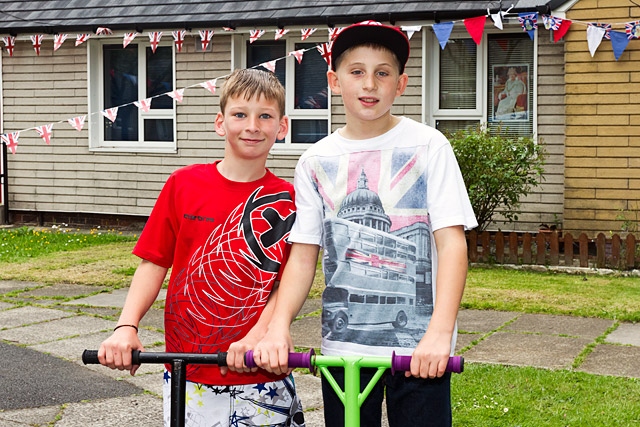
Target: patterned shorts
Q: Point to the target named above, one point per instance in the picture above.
(267, 404)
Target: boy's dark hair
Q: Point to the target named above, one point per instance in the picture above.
(250, 82)
(371, 33)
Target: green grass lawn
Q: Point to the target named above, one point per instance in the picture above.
(484, 395)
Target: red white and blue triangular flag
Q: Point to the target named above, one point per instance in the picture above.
(45, 132)
(325, 51)
(255, 35)
(205, 38)
(594, 38)
(154, 40)
(144, 105)
(475, 27)
(280, 32)
(564, 25)
(619, 42)
(77, 122)
(103, 31)
(10, 44)
(270, 65)
(306, 32)
(529, 23)
(177, 94)
(128, 38)
(36, 40)
(111, 113)
(333, 32)
(58, 39)
(210, 85)
(443, 32)
(632, 29)
(298, 54)
(11, 139)
(81, 38)
(178, 37)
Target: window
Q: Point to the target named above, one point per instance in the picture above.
(487, 83)
(306, 84)
(116, 74)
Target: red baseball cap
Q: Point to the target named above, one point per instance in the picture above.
(371, 32)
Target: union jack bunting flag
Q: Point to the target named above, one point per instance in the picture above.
(325, 51)
(280, 32)
(58, 39)
(210, 85)
(306, 32)
(81, 38)
(205, 38)
(298, 54)
(77, 122)
(11, 139)
(103, 30)
(529, 21)
(177, 94)
(9, 43)
(45, 132)
(551, 22)
(111, 113)
(128, 38)
(255, 35)
(632, 29)
(270, 65)
(154, 40)
(606, 27)
(178, 37)
(37, 42)
(144, 105)
(333, 32)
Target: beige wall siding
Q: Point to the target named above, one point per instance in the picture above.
(603, 126)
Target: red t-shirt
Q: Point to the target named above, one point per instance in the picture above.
(225, 243)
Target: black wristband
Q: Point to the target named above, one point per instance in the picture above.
(122, 326)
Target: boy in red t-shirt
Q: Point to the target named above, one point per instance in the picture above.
(222, 229)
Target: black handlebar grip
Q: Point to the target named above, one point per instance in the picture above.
(90, 357)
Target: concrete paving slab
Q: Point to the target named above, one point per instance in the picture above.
(310, 306)
(111, 299)
(7, 286)
(29, 417)
(150, 382)
(63, 290)
(28, 315)
(307, 332)
(543, 351)
(131, 411)
(483, 321)
(55, 330)
(560, 325)
(465, 340)
(617, 360)
(5, 305)
(626, 333)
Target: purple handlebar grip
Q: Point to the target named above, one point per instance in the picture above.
(296, 360)
(403, 363)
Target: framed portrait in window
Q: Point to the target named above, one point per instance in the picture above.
(510, 92)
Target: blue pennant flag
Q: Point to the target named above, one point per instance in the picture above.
(619, 42)
(443, 31)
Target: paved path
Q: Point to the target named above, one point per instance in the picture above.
(44, 329)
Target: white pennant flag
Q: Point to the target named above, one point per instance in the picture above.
(410, 29)
(594, 38)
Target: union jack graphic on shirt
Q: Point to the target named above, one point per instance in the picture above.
(375, 260)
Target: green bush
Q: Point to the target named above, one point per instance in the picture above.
(498, 170)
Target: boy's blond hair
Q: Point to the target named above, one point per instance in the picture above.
(250, 82)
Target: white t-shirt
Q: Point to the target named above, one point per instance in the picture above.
(373, 205)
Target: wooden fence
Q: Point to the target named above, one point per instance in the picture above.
(554, 249)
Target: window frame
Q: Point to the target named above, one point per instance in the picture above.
(95, 61)
(431, 112)
(288, 147)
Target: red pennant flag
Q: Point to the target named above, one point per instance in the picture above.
(560, 32)
(298, 55)
(37, 42)
(10, 43)
(45, 132)
(475, 27)
(11, 139)
(111, 113)
(154, 40)
(178, 36)
(210, 85)
(144, 105)
(77, 122)
(177, 94)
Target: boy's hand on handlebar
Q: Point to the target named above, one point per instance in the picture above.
(272, 352)
(235, 357)
(115, 351)
(430, 357)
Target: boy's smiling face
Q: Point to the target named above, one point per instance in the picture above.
(369, 81)
(250, 127)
